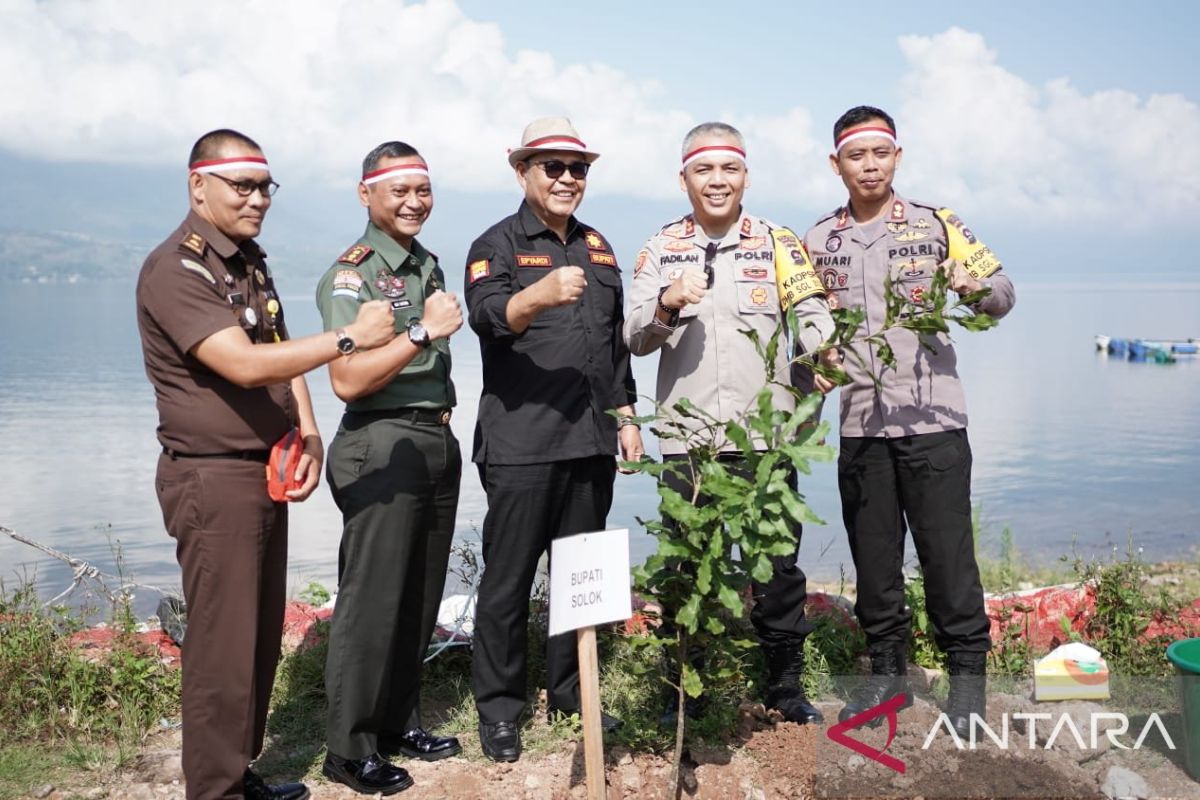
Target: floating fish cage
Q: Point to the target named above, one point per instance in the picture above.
(1159, 351)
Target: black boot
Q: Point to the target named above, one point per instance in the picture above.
(968, 685)
(889, 666)
(785, 690)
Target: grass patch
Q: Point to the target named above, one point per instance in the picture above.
(63, 712)
(49, 691)
(25, 766)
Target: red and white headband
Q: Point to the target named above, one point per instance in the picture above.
(714, 149)
(228, 164)
(397, 171)
(557, 142)
(852, 134)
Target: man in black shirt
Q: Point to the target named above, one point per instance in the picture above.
(544, 295)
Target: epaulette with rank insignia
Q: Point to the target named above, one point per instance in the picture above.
(194, 242)
(355, 255)
(682, 228)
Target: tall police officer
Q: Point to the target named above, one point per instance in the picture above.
(227, 381)
(905, 458)
(544, 295)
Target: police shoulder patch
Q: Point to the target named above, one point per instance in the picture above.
(194, 242)
(355, 255)
(642, 256)
(199, 269)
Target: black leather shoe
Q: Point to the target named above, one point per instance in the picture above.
(255, 788)
(418, 743)
(501, 741)
(368, 775)
(608, 723)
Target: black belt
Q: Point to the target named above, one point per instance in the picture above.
(262, 456)
(424, 416)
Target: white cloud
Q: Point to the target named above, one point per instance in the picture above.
(977, 134)
(317, 87)
(104, 80)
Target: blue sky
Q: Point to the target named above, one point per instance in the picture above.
(1143, 48)
(1064, 132)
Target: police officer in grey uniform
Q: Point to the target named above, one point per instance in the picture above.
(394, 469)
(697, 282)
(905, 459)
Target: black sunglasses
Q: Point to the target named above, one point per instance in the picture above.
(710, 255)
(555, 169)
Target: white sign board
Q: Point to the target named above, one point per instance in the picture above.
(589, 580)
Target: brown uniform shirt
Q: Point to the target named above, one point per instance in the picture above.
(194, 284)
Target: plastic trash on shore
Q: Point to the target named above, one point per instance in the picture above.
(1072, 671)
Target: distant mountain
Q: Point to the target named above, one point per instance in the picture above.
(71, 257)
(65, 257)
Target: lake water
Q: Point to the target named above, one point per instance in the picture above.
(1069, 445)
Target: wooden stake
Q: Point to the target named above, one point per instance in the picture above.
(589, 701)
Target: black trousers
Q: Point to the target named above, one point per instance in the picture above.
(231, 542)
(396, 482)
(923, 480)
(778, 611)
(529, 505)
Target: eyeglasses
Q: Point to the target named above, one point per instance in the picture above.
(710, 255)
(266, 188)
(555, 169)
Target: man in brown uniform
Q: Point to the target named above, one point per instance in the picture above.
(228, 385)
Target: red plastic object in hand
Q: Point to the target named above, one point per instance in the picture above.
(281, 469)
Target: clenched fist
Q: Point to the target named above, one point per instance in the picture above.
(443, 315)
(374, 325)
(689, 287)
(562, 286)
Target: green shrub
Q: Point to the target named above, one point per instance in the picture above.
(49, 691)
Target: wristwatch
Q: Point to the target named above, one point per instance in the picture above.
(417, 334)
(345, 344)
